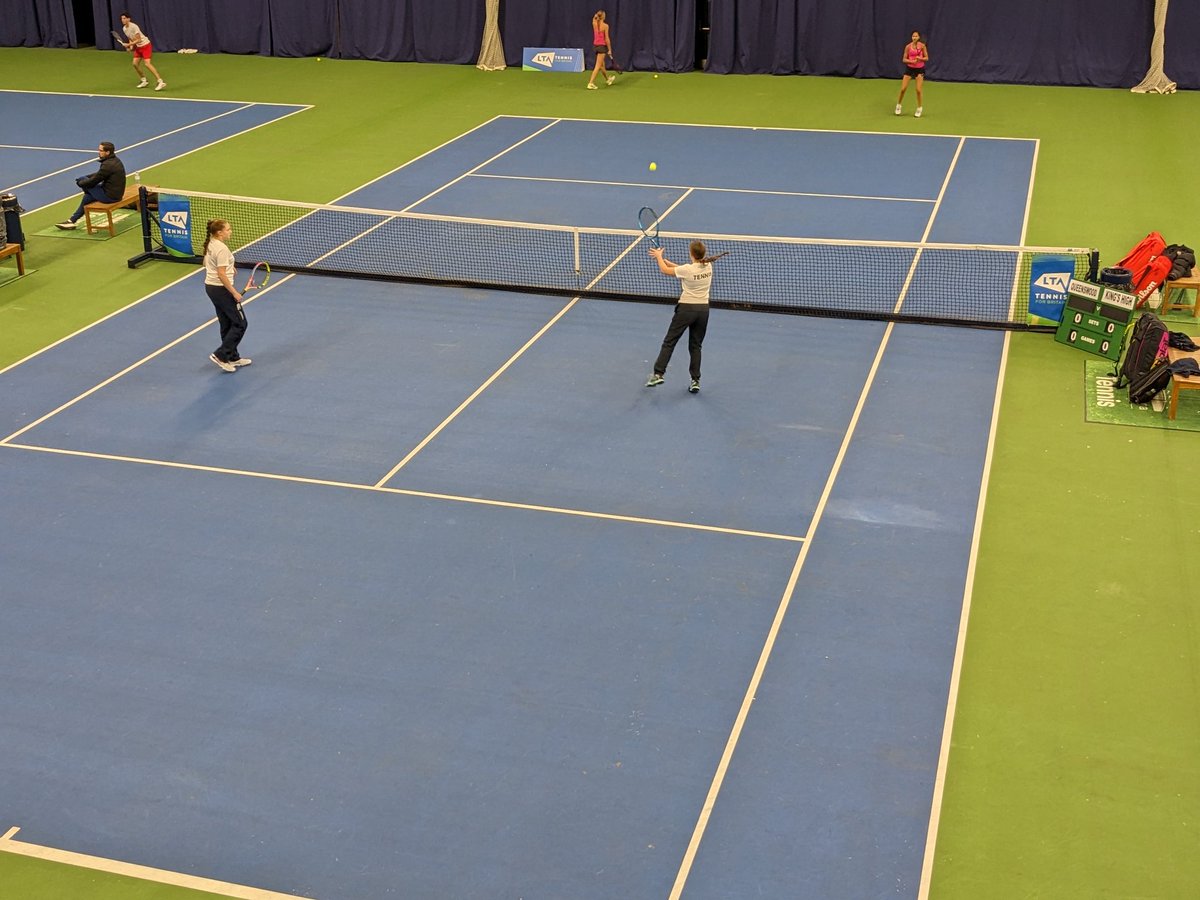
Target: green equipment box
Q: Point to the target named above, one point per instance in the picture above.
(1095, 318)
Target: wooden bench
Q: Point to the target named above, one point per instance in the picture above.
(14, 250)
(1181, 382)
(1185, 284)
(129, 200)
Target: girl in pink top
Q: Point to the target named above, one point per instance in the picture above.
(916, 54)
(602, 44)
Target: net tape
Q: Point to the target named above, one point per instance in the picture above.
(976, 284)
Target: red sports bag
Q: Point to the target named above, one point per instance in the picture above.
(1148, 265)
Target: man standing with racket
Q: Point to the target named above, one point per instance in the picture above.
(691, 312)
(139, 45)
(219, 269)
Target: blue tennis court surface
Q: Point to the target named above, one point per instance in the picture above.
(435, 599)
(50, 139)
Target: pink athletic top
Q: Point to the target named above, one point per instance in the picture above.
(914, 57)
(598, 38)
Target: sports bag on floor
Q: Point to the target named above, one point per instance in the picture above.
(1147, 346)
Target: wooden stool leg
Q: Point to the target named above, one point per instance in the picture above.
(20, 263)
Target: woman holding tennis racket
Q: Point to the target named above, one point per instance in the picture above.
(602, 44)
(691, 312)
(219, 269)
(915, 55)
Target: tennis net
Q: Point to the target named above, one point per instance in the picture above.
(978, 285)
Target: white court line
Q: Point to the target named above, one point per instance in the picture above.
(157, 98)
(47, 149)
(960, 644)
(752, 689)
(639, 184)
(417, 159)
(512, 359)
(905, 134)
(139, 363)
(748, 698)
(132, 870)
(228, 112)
(405, 492)
(300, 109)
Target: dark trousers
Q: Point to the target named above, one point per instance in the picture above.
(231, 319)
(94, 194)
(692, 318)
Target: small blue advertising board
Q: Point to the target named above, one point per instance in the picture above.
(1049, 276)
(175, 224)
(552, 59)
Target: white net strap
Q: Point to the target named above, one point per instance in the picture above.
(491, 51)
(1156, 80)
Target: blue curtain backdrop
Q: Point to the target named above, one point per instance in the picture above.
(211, 26)
(37, 23)
(1080, 42)
(646, 34)
(1103, 43)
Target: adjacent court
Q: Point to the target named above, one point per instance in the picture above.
(49, 139)
(436, 599)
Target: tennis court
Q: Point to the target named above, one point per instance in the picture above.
(435, 599)
(48, 137)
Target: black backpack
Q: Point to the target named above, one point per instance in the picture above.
(1147, 346)
(1144, 388)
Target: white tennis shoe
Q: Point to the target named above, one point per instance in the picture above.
(143, 83)
(920, 109)
(160, 85)
(899, 110)
(221, 364)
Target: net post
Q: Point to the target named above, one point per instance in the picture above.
(575, 238)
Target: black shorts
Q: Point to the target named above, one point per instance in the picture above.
(600, 48)
(909, 70)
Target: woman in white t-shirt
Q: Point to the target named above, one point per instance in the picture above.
(691, 312)
(219, 270)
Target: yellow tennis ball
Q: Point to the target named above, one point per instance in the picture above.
(653, 166)
(318, 59)
(655, 74)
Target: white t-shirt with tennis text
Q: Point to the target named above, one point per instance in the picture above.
(696, 279)
(135, 35)
(218, 257)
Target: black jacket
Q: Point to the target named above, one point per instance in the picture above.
(111, 175)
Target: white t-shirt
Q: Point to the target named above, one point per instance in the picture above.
(218, 257)
(696, 279)
(135, 35)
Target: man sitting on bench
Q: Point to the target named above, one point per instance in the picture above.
(106, 186)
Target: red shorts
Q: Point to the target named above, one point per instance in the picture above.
(143, 52)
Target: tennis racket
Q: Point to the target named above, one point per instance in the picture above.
(260, 276)
(648, 222)
(120, 39)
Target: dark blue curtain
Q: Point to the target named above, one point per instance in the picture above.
(1183, 43)
(1103, 43)
(211, 26)
(1078, 42)
(646, 34)
(443, 31)
(37, 23)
